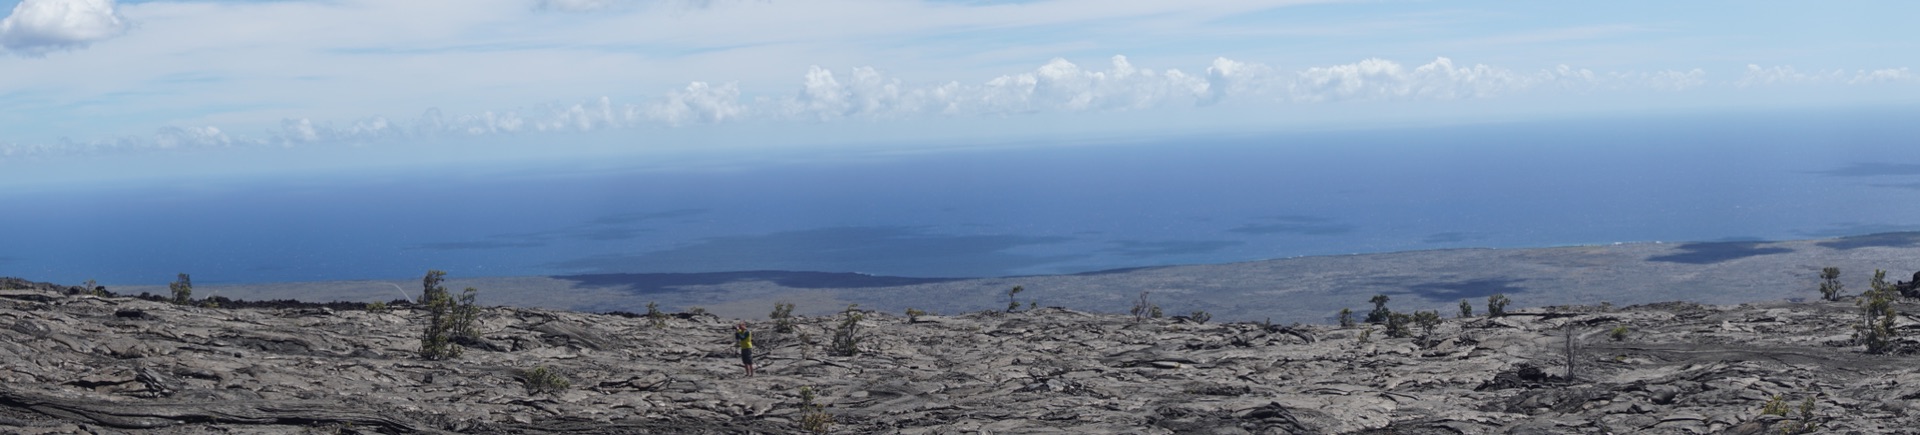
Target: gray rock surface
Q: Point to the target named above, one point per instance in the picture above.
(79, 363)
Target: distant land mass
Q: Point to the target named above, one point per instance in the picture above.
(1303, 289)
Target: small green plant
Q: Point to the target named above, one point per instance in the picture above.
(182, 289)
(697, 311)
(1143, 309)
(1012, 304)
(1618, 333)
(1366, 335)
(1397, 325)
(1200, 316)
(436, 343)
(1346, 317)
(913, 315)
(1428, 321)
(847, 337)
(1497, 305)
(1380, 313)
(1830, 286)
(94, 288)
(782, 317)
(542, 380)
(1876, 315)
(1775, 406)
(376, 307)
(813, 417)
(1466, 309)
(656, 317)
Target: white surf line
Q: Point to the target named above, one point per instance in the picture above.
(403, 292)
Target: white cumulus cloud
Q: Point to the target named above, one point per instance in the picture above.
(37, 27)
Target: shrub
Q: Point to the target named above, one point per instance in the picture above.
(813, 417)
(1142, 309)
(376, 307)
(847, 337)
(1380, 313)
(1830, 286)
(1466, 309)
(1618, 333)
(1346, 317)
(449, 321)
(697, 311)
(913, 315)
(541, 380)
(656, 317)
(1366, 335)
(1201, 316)
(182, 289)
(1497, 305)
(1876, 316)
(1012, 304)
(782, 317)
(1427, 320)
(1397, 325)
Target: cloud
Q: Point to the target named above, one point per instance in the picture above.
(1782, 75)
(38, 27)
(824, 95)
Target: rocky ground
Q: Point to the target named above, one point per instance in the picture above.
(78, 363)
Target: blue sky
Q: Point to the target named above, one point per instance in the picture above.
(119, 89)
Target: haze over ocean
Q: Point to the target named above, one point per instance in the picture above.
(1008, 210)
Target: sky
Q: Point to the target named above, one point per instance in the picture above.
(107, 91)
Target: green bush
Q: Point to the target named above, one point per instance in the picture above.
(847, 337)
(1346, 317)
(1618, 333)
(1428, 321)
(182, 289)
(1830, 286)
(1143, 309)
(782, 317)
(813, 417)
(542, 380)
(1380, 313)
(1497, 305)
(1876, 316)
(656, 317)
(450, 321)
(1397, 325)
(1013, 304)
(913, 315)
(1466, 309)
(1201, 316)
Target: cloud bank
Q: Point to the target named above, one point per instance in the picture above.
(1058, 86)
(38, 27)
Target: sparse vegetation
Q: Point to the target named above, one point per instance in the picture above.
(1380, 313)
(1497, 305)
(656, 317)
(542, 380)
(437, 342)
(1466, 309)
(94, 288)
(813, 417)
(1200, 316)
(1143, 309)
(1346, 317)
(1427, 321)
(1618, 333)
(1366, 335)
(847, 337)
(913, 315)
(1830, 285)
(182, 289)
(1013, 304)
(1397, 325)
(1778, 406)
(697, 311)
(1876, 316)
(376, 307)
(782, 317)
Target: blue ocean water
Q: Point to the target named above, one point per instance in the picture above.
(1007, 208)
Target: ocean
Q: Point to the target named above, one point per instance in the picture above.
(1003, 209)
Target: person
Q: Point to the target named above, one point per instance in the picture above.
(744, 338)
